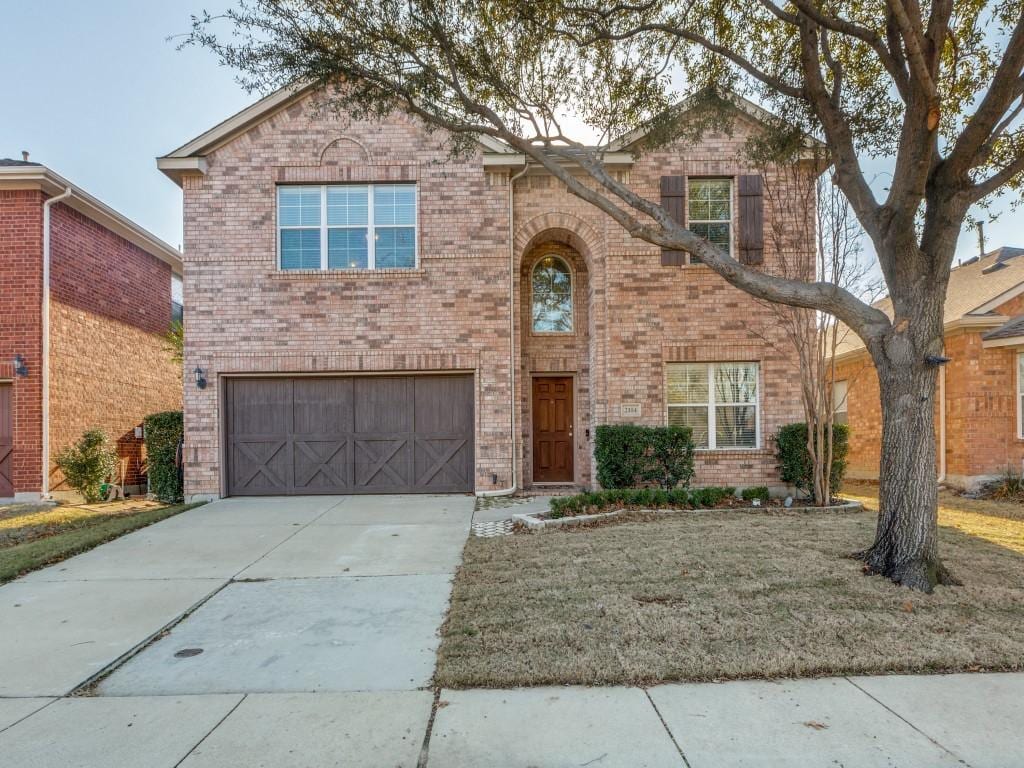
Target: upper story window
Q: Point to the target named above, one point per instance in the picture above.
(369, 226)
(840, 393)
(177, 299)
(552, 296)
(718, 401)
(709, 211)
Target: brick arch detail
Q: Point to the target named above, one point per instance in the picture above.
(344, 143)
(559, 226)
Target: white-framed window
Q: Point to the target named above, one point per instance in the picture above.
(551, 301)
(709, 211)
(346, 226)
(840, 393)
(1020, 395)
(718, 401)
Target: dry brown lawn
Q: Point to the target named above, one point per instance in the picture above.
(723, 595)
(21, 523)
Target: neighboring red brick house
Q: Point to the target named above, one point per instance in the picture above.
(980, 399)
(372, 314)
(110, 304)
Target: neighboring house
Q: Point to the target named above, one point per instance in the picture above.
(109, 298)
(366, 313)
(980, 396)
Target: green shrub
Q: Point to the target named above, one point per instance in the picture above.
(710, 496)
(628, 455)
(759, 492)
(88, 463)
(163, 433)
(679, 497)
(795, 465)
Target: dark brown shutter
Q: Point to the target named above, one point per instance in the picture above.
(673, 200)
(751, 220)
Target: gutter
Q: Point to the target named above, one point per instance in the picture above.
(511, 339)
(44, 365)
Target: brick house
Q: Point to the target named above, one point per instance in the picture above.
(980, 398)
(83, 348)
(367, 313)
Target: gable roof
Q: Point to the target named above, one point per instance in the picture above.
(18, 174)
(977, 288)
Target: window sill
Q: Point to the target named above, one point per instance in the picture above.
(732, 451)
(344, 274)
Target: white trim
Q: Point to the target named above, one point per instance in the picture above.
(42, 178)
(507, 159)
(732, 212)
(1009, 341)
(572, 297)
(712, 404)
(1002, 298)
(1018, 358)
(371, 226)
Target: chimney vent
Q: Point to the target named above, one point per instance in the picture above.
(24, 155)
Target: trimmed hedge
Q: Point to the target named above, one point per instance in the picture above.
(628, 456)
(593, 502)
(759, 492)
(163, 433)
(795, 465)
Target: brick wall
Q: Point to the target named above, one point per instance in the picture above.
(243, 315)
(981, 411)
(109, 310)
(21, 248)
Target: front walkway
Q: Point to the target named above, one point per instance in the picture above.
(300, 633)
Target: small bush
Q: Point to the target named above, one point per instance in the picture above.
(795, 465)
(163, 433)
(711, 496)
(628, 455)
(1009, 486)
(759, 492)
(88, 463)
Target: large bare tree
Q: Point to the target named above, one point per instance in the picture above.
(936, 86)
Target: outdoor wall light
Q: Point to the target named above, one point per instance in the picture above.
(20, 369)
(200, 378)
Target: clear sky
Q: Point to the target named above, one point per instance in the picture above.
(95, 91)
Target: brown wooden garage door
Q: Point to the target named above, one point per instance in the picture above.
(357, 434)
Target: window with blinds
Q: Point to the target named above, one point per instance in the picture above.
(718, 401)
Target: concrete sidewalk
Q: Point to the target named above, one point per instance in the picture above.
(863, 722)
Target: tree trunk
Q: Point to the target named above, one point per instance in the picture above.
(906, 547)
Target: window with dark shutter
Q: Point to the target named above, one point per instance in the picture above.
(751, 220)
(673, 200)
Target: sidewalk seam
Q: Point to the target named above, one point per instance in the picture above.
(210, 732)
(668, 730)
(889, 709)
(425, 749)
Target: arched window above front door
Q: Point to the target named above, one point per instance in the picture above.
(552, 296)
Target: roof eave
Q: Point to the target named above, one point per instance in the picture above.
(505, 160)
(42, 178)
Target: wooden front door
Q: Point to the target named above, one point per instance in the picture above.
(6, 442)
(552, 429)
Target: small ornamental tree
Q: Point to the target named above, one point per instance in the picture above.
(936, 88)
(88, 464)
(794, 448)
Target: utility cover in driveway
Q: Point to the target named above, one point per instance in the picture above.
(356, 434)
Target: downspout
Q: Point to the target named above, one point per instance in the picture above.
(44, 365)
(512, 363)
(942, 423)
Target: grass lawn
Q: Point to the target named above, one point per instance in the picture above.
(33, 536)
(726, 595)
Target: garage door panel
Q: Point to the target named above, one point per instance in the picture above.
(323, 406)
(261, 407)
(383, 405)
(322, 465)
(443, 464)
(439, 405)
(260, 466)
(374, 434)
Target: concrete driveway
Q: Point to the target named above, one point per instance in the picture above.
(300, 594)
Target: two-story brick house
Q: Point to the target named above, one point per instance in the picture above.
(86, 298)
(367, 313)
